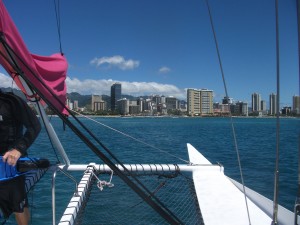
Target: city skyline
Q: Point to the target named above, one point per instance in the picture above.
(149, 51)
(257, 103)
(199, 103)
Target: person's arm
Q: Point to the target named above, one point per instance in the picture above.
(32, 125)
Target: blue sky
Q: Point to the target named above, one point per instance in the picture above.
(165, 46)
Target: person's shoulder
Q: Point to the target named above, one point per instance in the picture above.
(12, 95)
(16, 102)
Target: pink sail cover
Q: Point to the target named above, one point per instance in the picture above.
(51, 70)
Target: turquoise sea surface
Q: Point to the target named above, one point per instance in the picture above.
(256, 139)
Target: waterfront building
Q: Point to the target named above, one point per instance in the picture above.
(296, 104)
(206, 101)
(147, 105)
(256, 102)
(220, 108)
(172, 103)
(163, 99)
(199, 102)
(241, 108)
(227, 100)
(140, 104)
(273, 104)
(156, 99)
(69, 104)
(97, 103)
(123, 106)
(134, 107)
(286, 110)
(115, 94)
(263, 107)
(76, 107)
(193, 102)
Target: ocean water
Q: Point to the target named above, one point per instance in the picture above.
(256, 138)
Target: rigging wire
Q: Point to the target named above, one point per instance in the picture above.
(298, 23)
(231, 119)
(131, 137)
(297, 202)
(57, 16)
(276, 177)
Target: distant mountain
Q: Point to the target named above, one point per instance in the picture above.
(83, 100)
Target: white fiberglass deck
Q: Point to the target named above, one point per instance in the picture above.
(220, 201)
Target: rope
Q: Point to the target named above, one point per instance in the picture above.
(131, 137)
(57, 16)
(230, 115)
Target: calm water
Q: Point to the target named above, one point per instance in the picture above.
(211, 136)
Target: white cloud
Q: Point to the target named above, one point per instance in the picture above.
(116, 61)
(90, 86)
(132, 88)
(164, 69)
(6, 81)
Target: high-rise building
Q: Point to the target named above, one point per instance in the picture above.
(156, 99)
(97, 103)
(193, 102)
(199, 102)
(115, 94)
(273, 104)
(256, 101)
(296, 104)
(227, 100)
(240, 108)
(76, 106)
(171, 103)
(123, 106)
(263, 106)
(206, 101)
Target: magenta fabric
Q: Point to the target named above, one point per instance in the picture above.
(51, 70)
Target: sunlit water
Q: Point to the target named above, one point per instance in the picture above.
(211, 136)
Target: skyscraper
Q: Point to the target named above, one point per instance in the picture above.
(263, 105)
(296, 104)
(97, 103)
(273, 104)
(115, 94)
(256, 98)
(206, 101)
(193, 102)
(199, 101)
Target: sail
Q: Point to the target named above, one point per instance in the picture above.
(46, 73)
